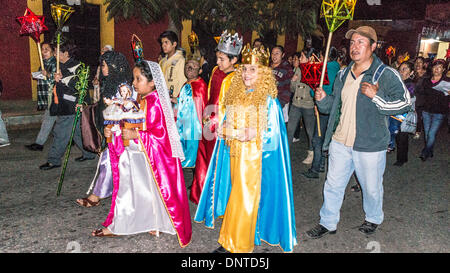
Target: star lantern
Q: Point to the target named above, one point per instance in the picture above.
(33, 25)
(335, 12)
(60, 14)
(137, 47)
(312, 72)
(390, 52)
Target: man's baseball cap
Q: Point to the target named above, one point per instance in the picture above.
(365, 31)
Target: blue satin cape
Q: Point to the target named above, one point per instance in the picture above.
(188, 126)
(276, 216)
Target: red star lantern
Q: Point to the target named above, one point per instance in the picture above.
(311, 72)
(32, 25)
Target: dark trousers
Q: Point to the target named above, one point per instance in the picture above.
(402, 140)
(61, 136)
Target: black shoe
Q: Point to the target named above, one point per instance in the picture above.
(318, 232)
(423, 157)
(310, 174)
(48, 166)
(221, 250)
(82, 158)
(368, 228)
(322, 169)
(399, 163)
(34, 147)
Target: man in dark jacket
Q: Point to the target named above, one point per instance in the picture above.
(64, 100)
(364, 95)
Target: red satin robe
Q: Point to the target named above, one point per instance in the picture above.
(206, 146)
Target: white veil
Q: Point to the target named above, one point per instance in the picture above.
(163, 93)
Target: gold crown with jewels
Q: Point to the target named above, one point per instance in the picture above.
(255, 56)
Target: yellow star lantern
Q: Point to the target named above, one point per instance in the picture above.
(60, 14)
(336, 12)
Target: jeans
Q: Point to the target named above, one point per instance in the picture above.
(369, 168)
(295, 117)
(3, 133)
(46, 127)
(394, 127)
(431, 124)
(319, 157)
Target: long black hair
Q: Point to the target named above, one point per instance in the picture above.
(118, 72)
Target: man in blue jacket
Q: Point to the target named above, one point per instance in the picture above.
(364, 95)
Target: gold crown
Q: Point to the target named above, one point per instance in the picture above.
(255, 55)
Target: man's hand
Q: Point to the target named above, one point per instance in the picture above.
(79, 106)
(370, 90)
(57, 77)
(319, 94)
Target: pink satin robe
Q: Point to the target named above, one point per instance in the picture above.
(166, 170)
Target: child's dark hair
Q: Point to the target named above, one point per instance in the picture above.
(145, 69)
(230, 56)
(409, 64)
(280, 47)
(69, 47)
(170, 35)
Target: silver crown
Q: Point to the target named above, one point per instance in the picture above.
(230, 44)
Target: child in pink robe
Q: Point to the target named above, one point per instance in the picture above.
(149, 190)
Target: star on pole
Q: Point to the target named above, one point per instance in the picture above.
(32, 24)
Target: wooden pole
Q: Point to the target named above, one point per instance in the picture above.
(325, 60)
(322, 78)
(57, 52)
(40, 57)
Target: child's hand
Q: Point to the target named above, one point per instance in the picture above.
(107, 132)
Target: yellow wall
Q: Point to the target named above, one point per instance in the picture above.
(281, 39)
(36, 8)
(187, 28)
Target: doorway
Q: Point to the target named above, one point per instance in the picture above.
(83, 28)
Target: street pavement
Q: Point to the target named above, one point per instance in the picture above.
(34, 220)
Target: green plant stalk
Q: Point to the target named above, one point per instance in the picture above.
(82, 87)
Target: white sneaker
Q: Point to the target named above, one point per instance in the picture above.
(416, 135)
(4, 144)
(295, 140)
(309, 158)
